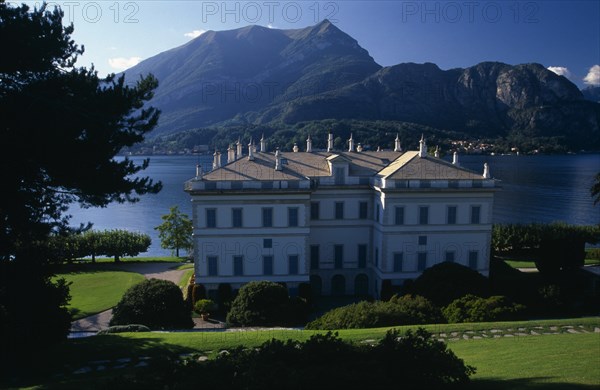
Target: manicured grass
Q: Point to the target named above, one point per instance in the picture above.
(561, 361)
(93, 292)
(139, 259)
(530, 264)
(186, 277)
(565, 361)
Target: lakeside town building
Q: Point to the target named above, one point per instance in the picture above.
(343, 221)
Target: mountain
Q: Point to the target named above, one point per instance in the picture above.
(222, 74)
(256, 76)
(592, 93)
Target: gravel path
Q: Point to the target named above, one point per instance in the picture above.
(100, 321)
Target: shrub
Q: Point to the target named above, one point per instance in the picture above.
(157, 304)
(471, 308)
(205, 306)
(445, 282)
(261, 303)
(125, 328)
(406, 310)
(414, 359)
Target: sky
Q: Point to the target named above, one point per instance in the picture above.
(564, 36)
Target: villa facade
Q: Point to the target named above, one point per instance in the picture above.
(343, 221)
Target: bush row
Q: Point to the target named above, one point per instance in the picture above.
(111, 243)
(411, 361)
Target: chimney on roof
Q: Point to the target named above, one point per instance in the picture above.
(351, 144)
(230, 154)
(486, 171)
(239, 149)
(359, 148)
(278, 166)
(308, 145)
(437, 152)
(263, 144)
(330, 142)
(215, 160)
(455, 159)
(218, 159)
(296, 149)
(397, 146)
(422, 147)
(251, 150)
(198, 171)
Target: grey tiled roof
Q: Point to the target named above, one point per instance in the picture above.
(302, 166)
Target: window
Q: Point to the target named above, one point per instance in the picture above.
(314, 210)
(451, 215)
(362, 210)
(423, 215)
(338, 256)
(399, 215)
(422, 240)
(339, 176)
(475, 214)
(238, 265)
(473, 259)
(398, 261)
(236, 217)
(268, 265)
(293, 216)
(267, 243)
(211, 218)
(314, 257)
(421, 261)
(267, 217)
(362, 255)
(293, 264)
(450, 256)
(212, 265)
(377, 214)
(339, 210)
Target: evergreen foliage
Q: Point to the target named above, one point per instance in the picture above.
(157, 304)
(445, 282)
(61, 128)
(405, 310)
(471, 308)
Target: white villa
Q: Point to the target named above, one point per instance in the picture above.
(343, 221)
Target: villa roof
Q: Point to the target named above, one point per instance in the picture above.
(411, 166)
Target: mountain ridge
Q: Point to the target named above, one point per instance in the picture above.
(256, 75)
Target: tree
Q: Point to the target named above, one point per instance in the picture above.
(61, 128)
(261, 303)
(176, 231)
(595, 190)
(118, 243)
(158, 304)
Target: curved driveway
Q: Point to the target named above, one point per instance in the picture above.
(162, 271)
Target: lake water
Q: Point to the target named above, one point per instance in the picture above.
(534, 189)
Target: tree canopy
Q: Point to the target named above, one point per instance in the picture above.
(176, 231)
(61, 129)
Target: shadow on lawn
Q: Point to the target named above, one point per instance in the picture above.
(61, 361)
(537, 383)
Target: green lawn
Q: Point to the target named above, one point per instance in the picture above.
(96, 291)
(186, 277)
(530, 264)
(565, 361)
(561, 361)
(139, 259)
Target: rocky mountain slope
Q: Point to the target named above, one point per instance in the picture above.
(255, 75)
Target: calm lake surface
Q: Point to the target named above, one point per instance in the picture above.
(534, 189)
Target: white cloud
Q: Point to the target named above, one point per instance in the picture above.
(560, 70)
(122, 63)
(593, 76)
(194, 34)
